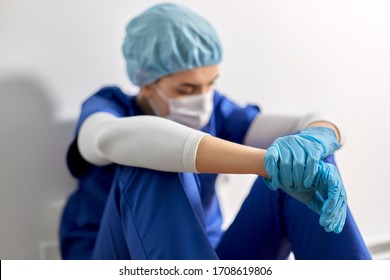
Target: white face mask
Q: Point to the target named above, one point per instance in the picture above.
(193, 111)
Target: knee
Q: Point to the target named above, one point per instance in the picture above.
(140, 183)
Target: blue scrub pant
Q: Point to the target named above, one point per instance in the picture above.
(158, 215)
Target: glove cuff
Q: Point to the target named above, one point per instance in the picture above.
(324, 136)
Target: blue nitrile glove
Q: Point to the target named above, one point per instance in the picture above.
(326, 197)
(334, 210)
(292, 161)
(293, 164)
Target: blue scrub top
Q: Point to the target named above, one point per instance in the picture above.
(84, 209)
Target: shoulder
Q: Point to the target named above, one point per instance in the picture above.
(226, 105)
(113, 93)
(109, 99)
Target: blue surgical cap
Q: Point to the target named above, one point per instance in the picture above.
(166, 39)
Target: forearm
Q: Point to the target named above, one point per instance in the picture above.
(215, 155)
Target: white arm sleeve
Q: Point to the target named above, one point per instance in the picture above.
(142, 141)
(265, 128)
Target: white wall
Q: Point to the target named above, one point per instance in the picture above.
(288, 56)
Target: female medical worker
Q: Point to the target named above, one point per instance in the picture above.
(147, 163)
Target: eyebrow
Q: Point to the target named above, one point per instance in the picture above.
(197, 85)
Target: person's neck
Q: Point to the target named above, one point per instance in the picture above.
(144, 105)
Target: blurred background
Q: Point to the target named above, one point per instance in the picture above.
(286, 56)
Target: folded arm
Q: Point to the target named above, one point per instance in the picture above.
(160, 144)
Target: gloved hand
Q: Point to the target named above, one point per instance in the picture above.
(293, 164)
(334, 209)
(292, 161)
(326, 197)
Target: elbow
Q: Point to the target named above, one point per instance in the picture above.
(91, 147)
(103, 145)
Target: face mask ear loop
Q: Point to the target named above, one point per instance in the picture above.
(153, 104)
(159, 92)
